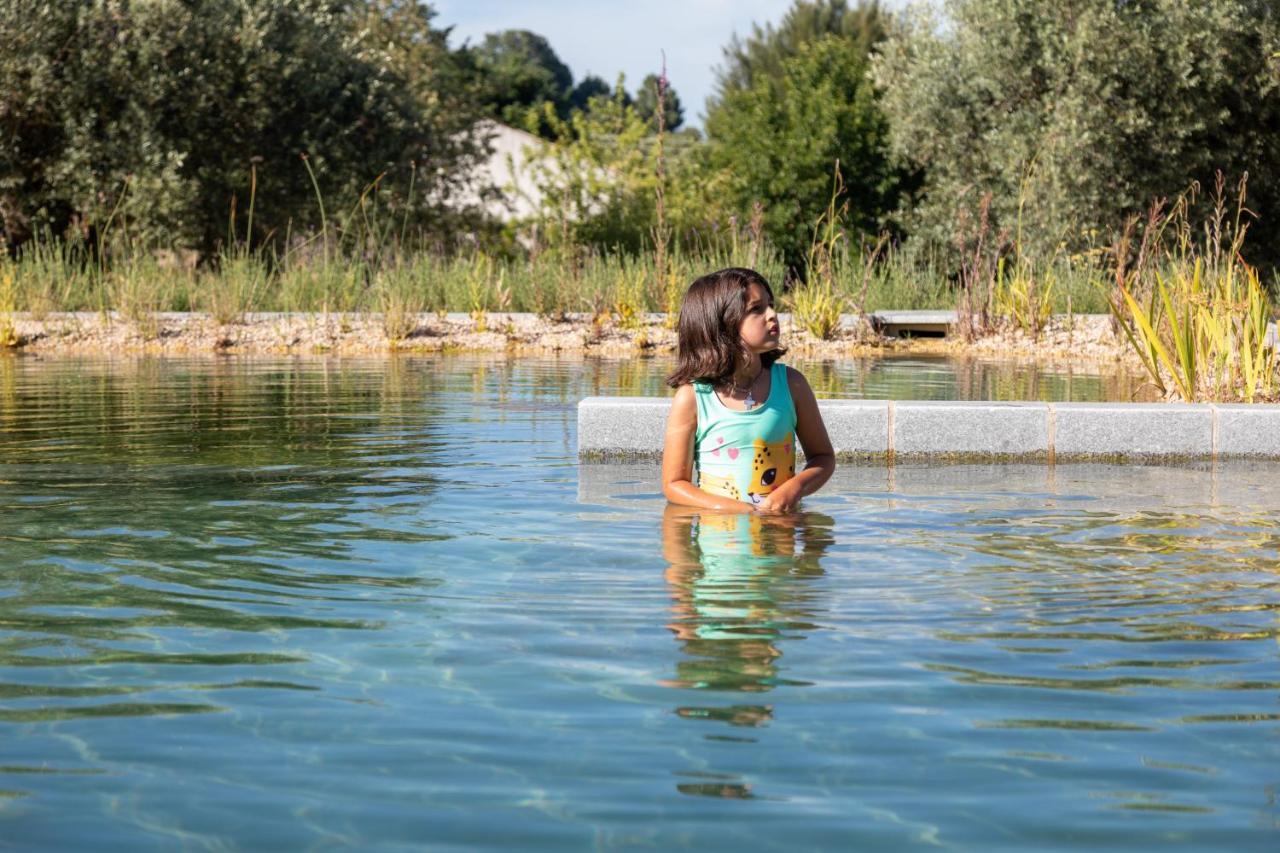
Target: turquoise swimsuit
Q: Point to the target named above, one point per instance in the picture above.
(745, 455)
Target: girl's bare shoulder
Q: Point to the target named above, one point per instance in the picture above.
(683, 401)
(795, 379)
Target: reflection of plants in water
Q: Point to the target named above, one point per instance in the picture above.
(230, 412)
(165, 507)
(825, 379)
(633, 377)
(8, 393)
(1133, 589)
(968, 379)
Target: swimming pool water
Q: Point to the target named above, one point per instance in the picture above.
(308, 603)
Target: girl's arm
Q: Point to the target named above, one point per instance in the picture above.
(820, 458)
(677, 458)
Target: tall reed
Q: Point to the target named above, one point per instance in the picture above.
(9, 337)
(817, 302)
(1194, 312)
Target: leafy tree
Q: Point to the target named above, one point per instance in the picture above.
(598, 179)
(1076, 115)
(158, 111)
(590, 87)
(523, 72)
(777, 143)
(446, 92)
(763, 53)
(76, 126)
(647, 104)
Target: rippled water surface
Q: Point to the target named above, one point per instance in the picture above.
(297, 604)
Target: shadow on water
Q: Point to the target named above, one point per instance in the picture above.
(740, 587)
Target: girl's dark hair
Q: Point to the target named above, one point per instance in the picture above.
(708, 345)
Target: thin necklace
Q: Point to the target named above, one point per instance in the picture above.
(750, 402)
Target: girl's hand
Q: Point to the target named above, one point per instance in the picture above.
(781, 500)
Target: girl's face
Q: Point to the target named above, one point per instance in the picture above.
(759, 330)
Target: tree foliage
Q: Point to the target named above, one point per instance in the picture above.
(763, 53)
(647, 104)
(1077, 114)
(598, 179)
(778, 141)
(158, 111)
(588, 87)
(522, 72)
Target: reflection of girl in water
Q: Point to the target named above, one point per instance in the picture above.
(734, 581)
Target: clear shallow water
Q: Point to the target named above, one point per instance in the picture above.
(302, 604)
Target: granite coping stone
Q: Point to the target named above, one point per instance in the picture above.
(622, 426)
(1247, 429)
(960, 431)
(1163, 430)
(971, 429)
(880, 319)
(857, 428)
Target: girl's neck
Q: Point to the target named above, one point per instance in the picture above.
(747, 370)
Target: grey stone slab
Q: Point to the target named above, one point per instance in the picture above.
(857, 428)
(1248, 430)
(622, 426)
(970, 429)
(1154, 430)
(900, 317)
(899, 323)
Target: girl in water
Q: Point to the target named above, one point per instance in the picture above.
(737, 412)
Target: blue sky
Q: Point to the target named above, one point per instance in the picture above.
(603, 37)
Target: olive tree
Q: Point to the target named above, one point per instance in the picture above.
(1075, 115)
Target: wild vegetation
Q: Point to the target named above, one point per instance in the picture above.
(996, 156)
(1194, 311)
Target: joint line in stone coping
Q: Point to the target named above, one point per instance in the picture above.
(888, 448)
(1051, 450)
(1214, 440)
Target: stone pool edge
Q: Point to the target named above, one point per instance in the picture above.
(872, 431)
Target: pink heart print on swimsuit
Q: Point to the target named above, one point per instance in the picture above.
(745, 455)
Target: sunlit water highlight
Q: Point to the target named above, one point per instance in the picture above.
(293, 604)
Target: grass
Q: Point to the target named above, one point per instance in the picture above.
(54, 276)
(233, 290)
(402, 289)
(141, 287)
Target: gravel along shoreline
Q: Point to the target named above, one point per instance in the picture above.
(1075, 339)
